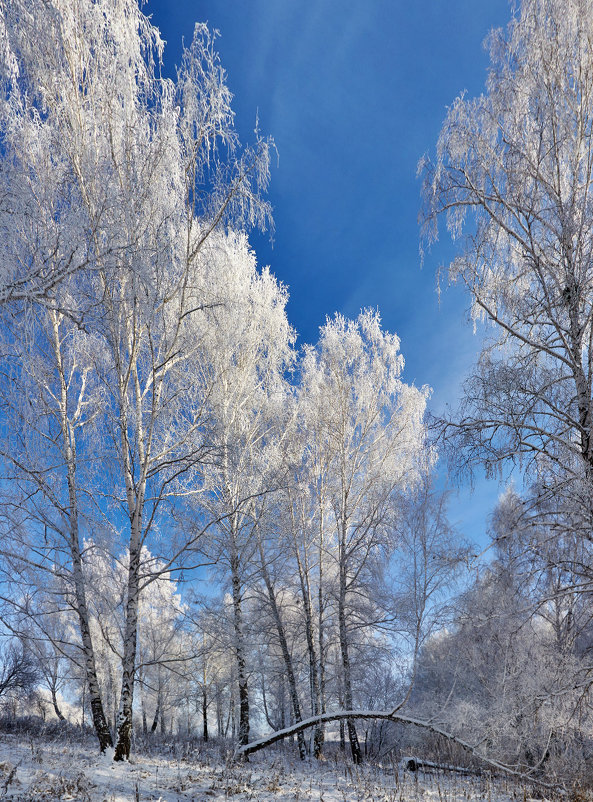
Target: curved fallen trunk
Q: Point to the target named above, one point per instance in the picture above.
(389, 715)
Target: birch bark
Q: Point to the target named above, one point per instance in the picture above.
(68, 432)
(239, 644)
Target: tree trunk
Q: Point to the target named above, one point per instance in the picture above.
(135, 454)
(292, 686)
(240, 653)
(204, 713)
(230, 721)
(346, 672)
(317, 666)
(394, 716)
(219, 720)
(124, 716)
(157, 712)
(99, 720)
(54, 701)
(142, 687)
(318, 736)
(98, 714)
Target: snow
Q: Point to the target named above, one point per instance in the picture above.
(49, 771)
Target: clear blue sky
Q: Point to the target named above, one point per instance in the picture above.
(354, 92)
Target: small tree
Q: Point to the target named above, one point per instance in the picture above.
(18, 670)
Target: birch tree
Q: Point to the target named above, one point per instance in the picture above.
(251, 348)
(50, 400)
(306, 514)
(279, 602)
(372, 427)
(88, 142)
(174, 190)
(512, 179)
(112, 172)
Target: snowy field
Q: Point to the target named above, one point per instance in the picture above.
(43, 771)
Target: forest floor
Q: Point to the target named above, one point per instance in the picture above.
(35, 769)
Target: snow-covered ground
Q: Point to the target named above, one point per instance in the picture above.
(42, 771)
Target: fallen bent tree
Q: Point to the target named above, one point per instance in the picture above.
(394, 716)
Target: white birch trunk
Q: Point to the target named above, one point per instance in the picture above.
(69, 453)
(124, 716)
(344, 650)
(240, 650)
(135, 492)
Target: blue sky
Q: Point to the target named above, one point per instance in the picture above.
(354, 92)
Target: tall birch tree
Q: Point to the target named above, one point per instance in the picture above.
(372, 428)
(51, 400)
(512, 180)
(251, 348)
(110, 169)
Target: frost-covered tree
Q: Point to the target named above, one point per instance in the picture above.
(215, 672)
(53, 645)
(426, 567)
(279, 599)
(119, 176)
(50, 403)
(97, 148)
(165, 652)
(513, 179)
(18, 670)
(497, 678)
(249, 350)
(371, 425)
(307, 518)
(509, 671)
